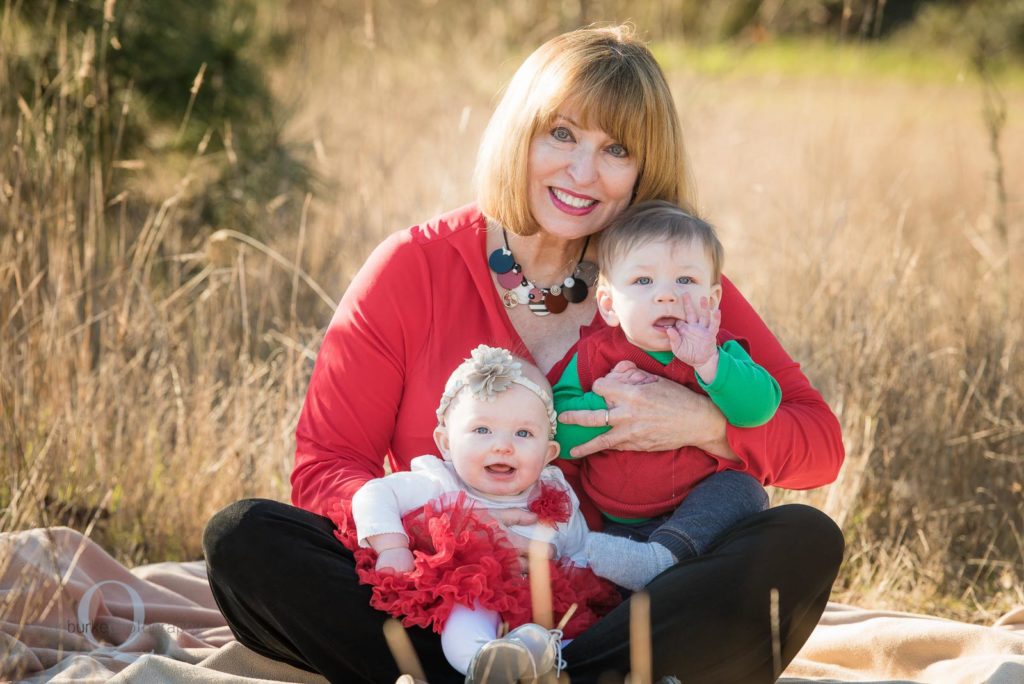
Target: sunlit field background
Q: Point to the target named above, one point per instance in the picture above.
(185, 193)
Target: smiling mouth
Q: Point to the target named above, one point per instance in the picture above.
(571, 204)
(500, 470)
(572, 200)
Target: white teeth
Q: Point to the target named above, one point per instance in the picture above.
(575, 202)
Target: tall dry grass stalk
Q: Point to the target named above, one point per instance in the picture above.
(866, 236)
(148, 378)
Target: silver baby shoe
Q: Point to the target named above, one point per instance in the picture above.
(529, 653)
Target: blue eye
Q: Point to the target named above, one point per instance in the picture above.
(684, 280)
(481, 430)
(524, 433)
(562, 134)
(642, 280)
(618, 150)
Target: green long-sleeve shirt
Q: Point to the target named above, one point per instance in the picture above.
(746, 393)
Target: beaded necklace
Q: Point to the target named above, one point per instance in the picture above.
(541, 300)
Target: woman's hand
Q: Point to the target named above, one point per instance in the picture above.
(517, 516)
(648, 413)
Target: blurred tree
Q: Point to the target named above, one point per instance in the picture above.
(193, 71)
(512, 25)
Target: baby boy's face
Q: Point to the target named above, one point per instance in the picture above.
(644, 291)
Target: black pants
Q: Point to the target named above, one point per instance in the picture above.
(288, 589)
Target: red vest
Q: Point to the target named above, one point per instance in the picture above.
(639, 484)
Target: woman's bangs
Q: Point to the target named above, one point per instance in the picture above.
(607, 101)
(625, 119)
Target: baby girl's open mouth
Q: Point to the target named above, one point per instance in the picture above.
(500, 469)
(665, 322)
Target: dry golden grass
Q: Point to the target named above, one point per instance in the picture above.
(148, 378)
(858, 217)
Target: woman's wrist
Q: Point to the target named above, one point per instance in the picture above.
(715, 439)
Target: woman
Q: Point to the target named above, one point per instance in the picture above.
(586, 127)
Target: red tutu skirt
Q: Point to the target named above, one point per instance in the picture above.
(463, 556)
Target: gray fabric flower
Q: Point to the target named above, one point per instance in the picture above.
(488, 372)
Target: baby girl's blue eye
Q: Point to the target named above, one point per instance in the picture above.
(524, 433)
(684, 280)
(481, 430)
(642, 280)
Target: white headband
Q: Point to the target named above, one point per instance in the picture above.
(488, 372)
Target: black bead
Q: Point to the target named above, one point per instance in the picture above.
(576, 292)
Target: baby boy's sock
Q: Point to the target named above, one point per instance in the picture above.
(630, 564)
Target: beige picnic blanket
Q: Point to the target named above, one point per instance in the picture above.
(70, 612)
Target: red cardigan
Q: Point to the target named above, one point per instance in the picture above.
(424, 299)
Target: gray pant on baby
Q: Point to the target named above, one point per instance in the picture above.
(717, 503)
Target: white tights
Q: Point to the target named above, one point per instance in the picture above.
(465, 632)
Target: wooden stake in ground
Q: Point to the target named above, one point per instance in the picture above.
(566, 617)
(402, 650)
(776, 633)
(540, 584)
(640, 657)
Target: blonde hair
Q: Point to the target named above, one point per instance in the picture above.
(656, 221)
(615, 84)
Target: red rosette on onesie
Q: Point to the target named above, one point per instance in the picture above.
(551, 505)
(463, 556)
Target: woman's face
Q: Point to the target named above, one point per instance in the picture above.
(579, 178)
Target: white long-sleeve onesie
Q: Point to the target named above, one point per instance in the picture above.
(378, 507)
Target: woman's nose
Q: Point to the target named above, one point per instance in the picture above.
(582, 168)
